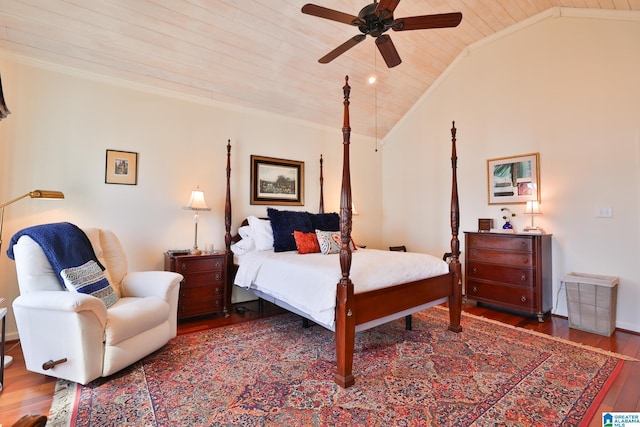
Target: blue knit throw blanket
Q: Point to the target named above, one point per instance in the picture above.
(64, 244)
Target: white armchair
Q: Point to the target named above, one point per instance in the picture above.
(96, 341)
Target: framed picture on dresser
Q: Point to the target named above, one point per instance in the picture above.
(514, 179)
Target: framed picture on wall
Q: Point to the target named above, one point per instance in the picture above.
(121, 167)
(276, 181)
(514, 179)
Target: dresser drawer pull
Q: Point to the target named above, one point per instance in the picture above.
(523, 244)
(523, 298)
(523, 278)
(218, 276)
(475, 270)
(474, 290)
(184, 266)
(217, 291)
(525, 260)
(217, 303)
(475, 253)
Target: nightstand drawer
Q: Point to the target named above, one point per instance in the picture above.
(201, 292)
(519, 259)
(501, 242)
(192, 265)
(516, 297)
(501, 273)
(205, 278)
(198, 307)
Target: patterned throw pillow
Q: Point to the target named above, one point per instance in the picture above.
(307, 243)
(89, 279)
(330, 243)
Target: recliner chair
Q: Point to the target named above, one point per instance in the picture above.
(75, 336)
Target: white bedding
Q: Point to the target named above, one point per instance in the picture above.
(308, 282)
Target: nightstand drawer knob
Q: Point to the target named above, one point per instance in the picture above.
(525, 259)
(475, 270)
(475, 253)
(217, 291)
(523, 244)
(183, 266)
(523, 278)
(474, 290)
(523, 298)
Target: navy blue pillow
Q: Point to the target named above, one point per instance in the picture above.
(325, 221)
(284, 223)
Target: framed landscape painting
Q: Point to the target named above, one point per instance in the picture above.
(514, 179)
(276, 181)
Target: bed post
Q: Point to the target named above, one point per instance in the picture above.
(455, 299)
(321, 207)
(345, 316)
(228, 259)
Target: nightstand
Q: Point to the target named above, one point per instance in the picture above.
(202, 291)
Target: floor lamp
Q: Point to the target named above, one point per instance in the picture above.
(35, 194)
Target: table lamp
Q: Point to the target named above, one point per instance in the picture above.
(532, 208)
(35, 194)
(197, 204)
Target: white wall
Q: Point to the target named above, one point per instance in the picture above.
(63, 121)
(564, 84)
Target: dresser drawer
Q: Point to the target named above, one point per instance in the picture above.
(205, 278)
(519, 259)
(194, 265)
(501, 242)
(517, 297)
(501, 273)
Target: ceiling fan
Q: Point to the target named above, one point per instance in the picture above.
(376, 19)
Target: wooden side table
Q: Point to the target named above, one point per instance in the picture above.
(3, 358)
(203, 290)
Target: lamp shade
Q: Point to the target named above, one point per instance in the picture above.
(197, 202)
(532, 208)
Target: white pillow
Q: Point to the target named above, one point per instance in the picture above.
(245, 232)
(243, 246)
(262, 233)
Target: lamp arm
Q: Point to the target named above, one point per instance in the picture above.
(15, 200)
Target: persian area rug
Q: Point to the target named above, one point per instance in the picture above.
(272, 372)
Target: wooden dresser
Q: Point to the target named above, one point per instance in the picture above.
(512, 271)
(203, 289)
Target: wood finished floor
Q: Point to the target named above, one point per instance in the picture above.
(29, 393)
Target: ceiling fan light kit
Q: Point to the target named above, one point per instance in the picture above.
(375, 19)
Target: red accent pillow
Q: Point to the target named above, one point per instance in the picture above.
(307, 243)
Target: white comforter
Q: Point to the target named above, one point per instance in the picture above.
(308, 282)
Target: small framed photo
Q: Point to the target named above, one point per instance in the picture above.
(121, 168)
(514, 179)
(276, 181)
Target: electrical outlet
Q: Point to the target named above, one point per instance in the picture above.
(604, 212)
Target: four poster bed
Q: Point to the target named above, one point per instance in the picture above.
(353, 308)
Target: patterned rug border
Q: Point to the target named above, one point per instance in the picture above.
(64, 406)
(549, 337)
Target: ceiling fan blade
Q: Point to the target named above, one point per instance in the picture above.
(388, 51)
(341, 49)
(443, 20)
(390, 5)
(333, 15)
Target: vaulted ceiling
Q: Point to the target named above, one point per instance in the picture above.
(261, 54)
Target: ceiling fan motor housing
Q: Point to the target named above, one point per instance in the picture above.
(374, 21)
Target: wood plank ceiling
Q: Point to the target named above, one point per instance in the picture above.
(261, 54)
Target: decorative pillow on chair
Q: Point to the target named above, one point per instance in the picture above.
(330, 243)
(284, 223)
(89, 279)
(307, 243)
